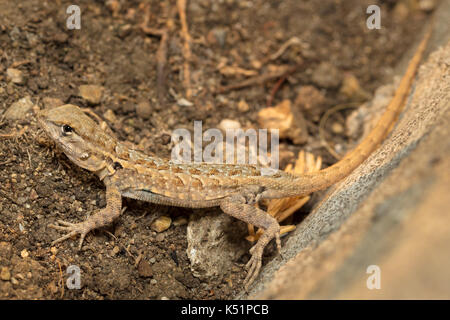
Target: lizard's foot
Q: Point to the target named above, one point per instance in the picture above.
(72, 229)
(254, 264)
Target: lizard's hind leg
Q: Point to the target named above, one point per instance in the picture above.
(238, 207)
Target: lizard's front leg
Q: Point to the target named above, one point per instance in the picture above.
(237, 207)
(101, 218)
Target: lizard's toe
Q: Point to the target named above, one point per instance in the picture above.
(67, 236)
(253, 266)
(278, 242)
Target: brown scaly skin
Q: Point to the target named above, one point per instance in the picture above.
(234, 188)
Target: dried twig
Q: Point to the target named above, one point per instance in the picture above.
(161, 54)
(20, 63)
(275, 90)
(14, 134)
(287, 44)
(61, 279)
(181, 4)
(261, 79)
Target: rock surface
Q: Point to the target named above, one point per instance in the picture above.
(214, 244)
(19, 109)
(391, 212)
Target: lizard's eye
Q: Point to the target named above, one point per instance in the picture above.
(66, 130)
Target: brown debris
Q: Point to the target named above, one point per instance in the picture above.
(288, 121)
(311, 102)
(352, 89)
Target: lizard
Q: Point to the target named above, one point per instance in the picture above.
(235, 188)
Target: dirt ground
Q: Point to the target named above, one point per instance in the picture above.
(39, 185)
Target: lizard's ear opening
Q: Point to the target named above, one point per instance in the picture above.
(66, 130)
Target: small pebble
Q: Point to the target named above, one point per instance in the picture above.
(337, 128)
(124, 31)
(184, 103)
(160, 237)
(91, 93)
(15, 75)
(161, 224)
(33, 194)
(217, 36)
(180, 221)
(352, 89)
(310, 101)
(21, 200)
(24, 253)
(144, 110)
(256, 64)
(427, 5)
(153, 281)
(14, 281)
(327, 76)
(52, 287)
(243, 106)
(144, 269)
(5, 274)
(226, 124)
(60, 37)
(115, 250)
(110, 116)
(19, 109)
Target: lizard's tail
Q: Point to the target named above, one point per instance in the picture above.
(326, 177)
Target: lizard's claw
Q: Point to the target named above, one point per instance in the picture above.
(72, 229)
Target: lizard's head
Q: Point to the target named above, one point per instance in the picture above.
(78, 135)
